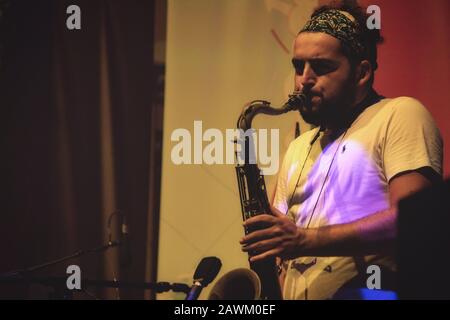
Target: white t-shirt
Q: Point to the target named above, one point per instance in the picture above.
(347, 179)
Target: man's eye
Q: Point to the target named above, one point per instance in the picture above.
(321, 68)
(298, 65)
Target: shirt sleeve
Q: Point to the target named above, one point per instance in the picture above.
(412, 141)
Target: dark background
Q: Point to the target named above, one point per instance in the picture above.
(65, 95)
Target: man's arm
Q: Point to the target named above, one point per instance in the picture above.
(373, 234)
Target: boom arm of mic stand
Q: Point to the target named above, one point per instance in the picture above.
(77, 254)
(159, 287)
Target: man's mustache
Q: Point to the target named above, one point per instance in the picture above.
(310, 94)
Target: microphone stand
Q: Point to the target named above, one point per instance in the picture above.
(79, 253)
(60, 282)
(23, 275)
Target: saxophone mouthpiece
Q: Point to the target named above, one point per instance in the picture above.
(296, 100)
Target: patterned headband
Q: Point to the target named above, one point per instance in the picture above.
(337, 24)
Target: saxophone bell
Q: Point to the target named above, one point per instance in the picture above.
(238, 284)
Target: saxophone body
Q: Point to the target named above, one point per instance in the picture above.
(261, 281)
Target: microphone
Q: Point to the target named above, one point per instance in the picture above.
(125, 253)
(205, 273)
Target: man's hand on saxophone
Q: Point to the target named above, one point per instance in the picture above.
(277, 236)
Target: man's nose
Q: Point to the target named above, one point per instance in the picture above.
(308, 78)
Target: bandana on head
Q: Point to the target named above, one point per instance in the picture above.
(337, 24)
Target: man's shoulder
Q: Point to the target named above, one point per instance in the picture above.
(399, 110)
(410, 110)
(404, 104)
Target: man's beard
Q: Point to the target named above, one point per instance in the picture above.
(330, 112)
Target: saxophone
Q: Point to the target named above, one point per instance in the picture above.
(261, 280)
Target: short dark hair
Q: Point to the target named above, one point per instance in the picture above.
(370, 39)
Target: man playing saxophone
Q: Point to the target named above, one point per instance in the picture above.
(334, 211)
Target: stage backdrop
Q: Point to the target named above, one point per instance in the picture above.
(224, 53)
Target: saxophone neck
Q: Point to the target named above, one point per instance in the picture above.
(296, 100)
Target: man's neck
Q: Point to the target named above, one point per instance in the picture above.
(363, 100)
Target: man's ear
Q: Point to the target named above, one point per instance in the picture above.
(363, 72)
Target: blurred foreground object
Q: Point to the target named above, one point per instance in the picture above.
(424, 244)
